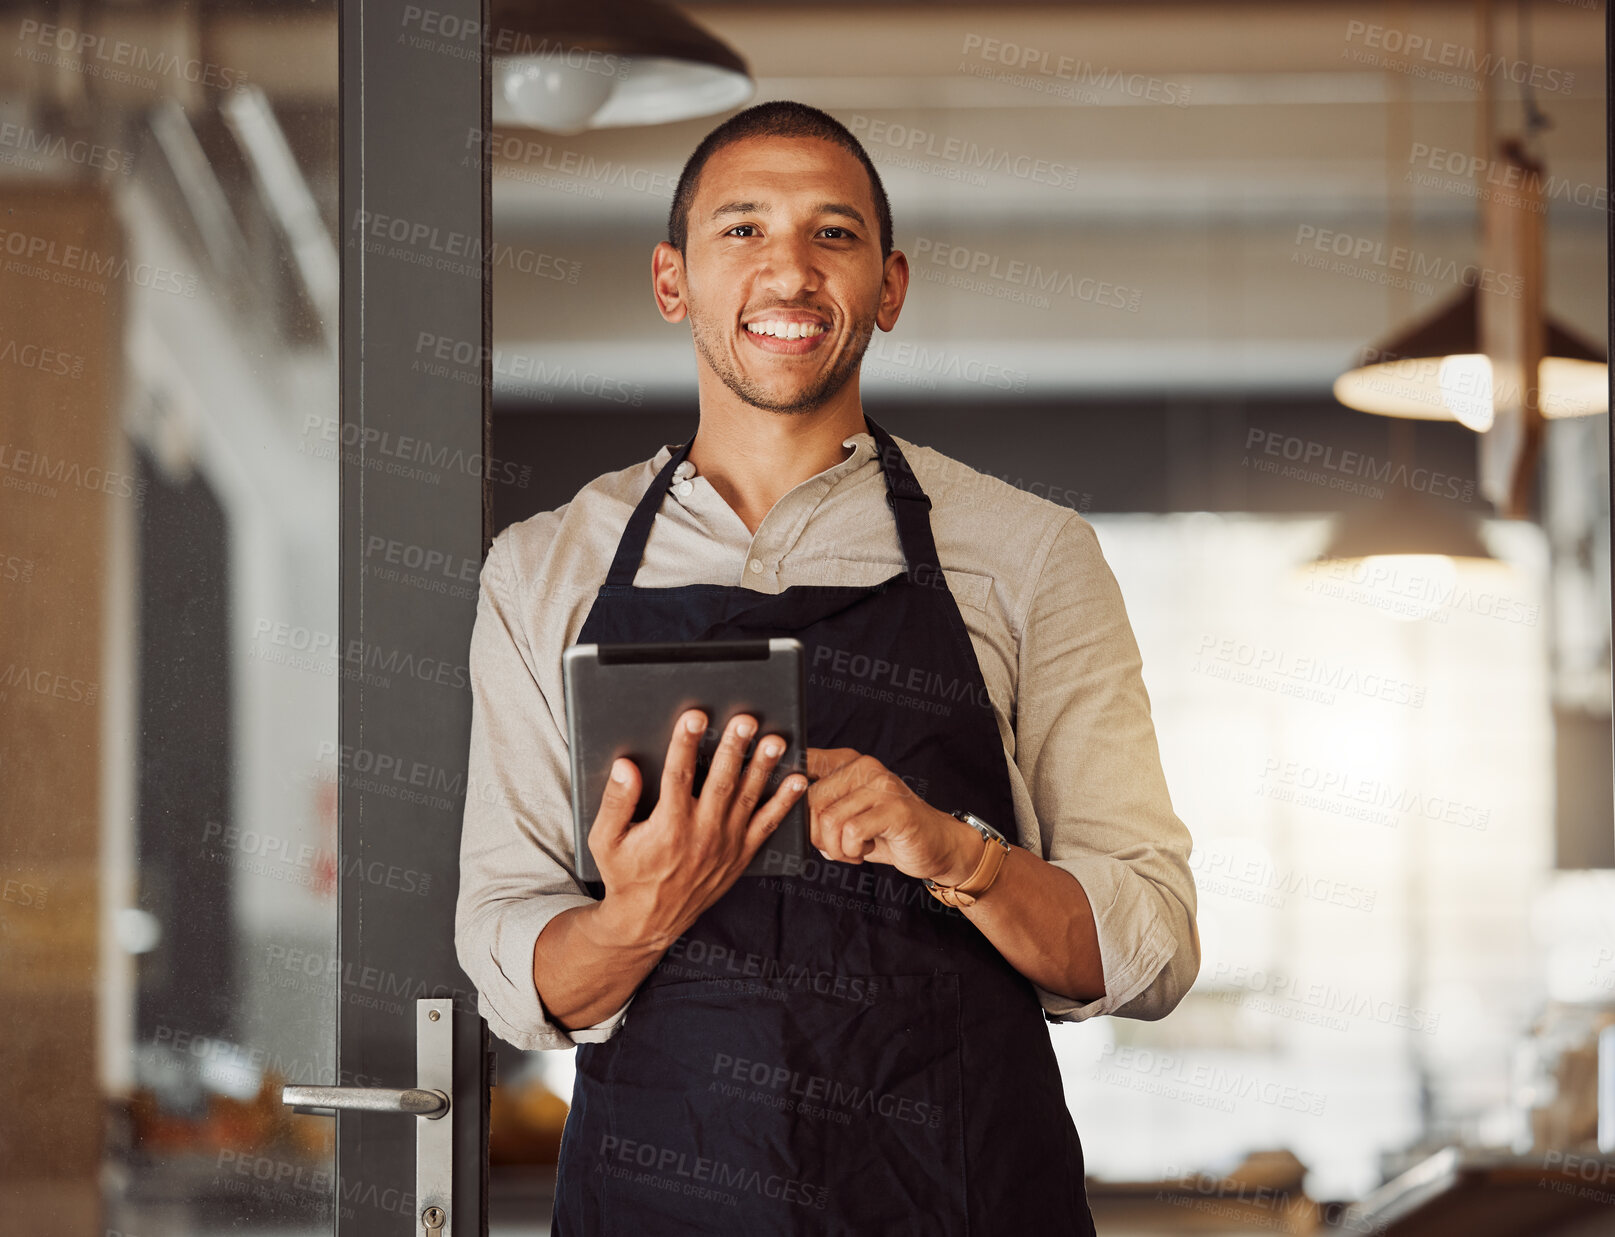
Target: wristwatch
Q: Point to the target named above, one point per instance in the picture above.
(993, 853)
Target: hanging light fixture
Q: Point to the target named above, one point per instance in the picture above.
(1404, 531)
(1407, 559)
(1406, 528)
(1491, 359)
(565, 66)
(1436, 370)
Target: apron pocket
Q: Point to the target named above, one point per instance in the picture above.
(805, 1104)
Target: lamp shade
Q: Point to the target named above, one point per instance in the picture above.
(1407, 528)
(567, 66)
(1407, 559)
(1435, 371)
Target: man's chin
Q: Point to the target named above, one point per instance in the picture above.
(786, 408)
(810, 401)
(795, 399)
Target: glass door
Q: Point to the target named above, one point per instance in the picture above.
(233, 710)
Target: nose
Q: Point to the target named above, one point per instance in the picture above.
(789, 269)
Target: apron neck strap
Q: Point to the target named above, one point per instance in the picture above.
(909, 503)
(631, 548)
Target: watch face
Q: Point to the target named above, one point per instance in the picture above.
(981, 827)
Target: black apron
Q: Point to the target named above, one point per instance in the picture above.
(830, 1049)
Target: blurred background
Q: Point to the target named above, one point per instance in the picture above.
(1157, 250)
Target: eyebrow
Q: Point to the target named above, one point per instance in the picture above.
(763, 208)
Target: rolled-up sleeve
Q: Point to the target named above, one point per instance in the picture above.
(1087, 751)
(516, 852)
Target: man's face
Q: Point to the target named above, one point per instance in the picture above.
(782, 272)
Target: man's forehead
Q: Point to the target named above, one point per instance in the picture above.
(759, 170)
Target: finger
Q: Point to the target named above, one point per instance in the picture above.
(861, 834)
(769, 749)
(824, 792)
(834, 830)
(767, 818)
(823, 761)
(617, 805)
(723, 777)
(847, 779)
(678, 773)
(829, 784)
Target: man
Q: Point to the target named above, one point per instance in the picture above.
(856, 1046)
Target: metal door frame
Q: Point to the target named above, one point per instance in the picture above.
(415, 220)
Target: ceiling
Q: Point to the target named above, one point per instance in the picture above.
(1202, 152)
(1209, 157)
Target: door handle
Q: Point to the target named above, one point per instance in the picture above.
(427, 1101)
(417, 1102)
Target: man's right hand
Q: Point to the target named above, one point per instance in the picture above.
(663, 872)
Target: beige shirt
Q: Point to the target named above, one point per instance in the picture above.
(1050, 633)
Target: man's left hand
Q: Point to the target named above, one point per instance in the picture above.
(860, 810)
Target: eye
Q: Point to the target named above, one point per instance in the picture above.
(845, 235)
(732, 231)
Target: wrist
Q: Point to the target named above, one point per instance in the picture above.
(964, 852)
(612, 923)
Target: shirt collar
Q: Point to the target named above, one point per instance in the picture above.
(863, 450)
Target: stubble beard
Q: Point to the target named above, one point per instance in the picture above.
(809, 399)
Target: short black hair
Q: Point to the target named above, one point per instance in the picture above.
(779, 118)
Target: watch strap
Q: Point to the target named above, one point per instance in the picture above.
(993, 853)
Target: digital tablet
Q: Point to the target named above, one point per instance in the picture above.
(623, 700)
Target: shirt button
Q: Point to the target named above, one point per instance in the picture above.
(684, 470)
(686, 488)
(757, 564)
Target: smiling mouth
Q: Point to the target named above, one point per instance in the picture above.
(776, 329)
(782, 336)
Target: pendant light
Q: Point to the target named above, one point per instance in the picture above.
(1435, 370)
(564, 66)
(1406, 526)
(1490, 358)
(1404, 530)
(1408, 557)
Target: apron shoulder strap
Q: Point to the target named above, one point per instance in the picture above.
(631, 548)
(910, 504)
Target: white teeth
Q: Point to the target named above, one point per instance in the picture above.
(786, 330)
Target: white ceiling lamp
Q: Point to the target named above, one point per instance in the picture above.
(565, 67)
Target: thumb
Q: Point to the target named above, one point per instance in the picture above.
(617, 804)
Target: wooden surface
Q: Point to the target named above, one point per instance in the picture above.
(62, 291)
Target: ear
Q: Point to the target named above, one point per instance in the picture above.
(893, 290)
(667, 282)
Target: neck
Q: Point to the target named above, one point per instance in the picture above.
(753, 457)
